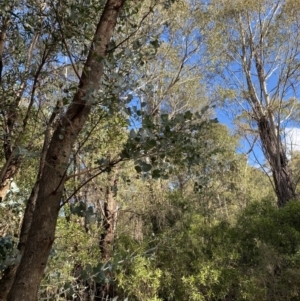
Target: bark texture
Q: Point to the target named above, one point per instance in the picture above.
(258, 97)
(9, 273)
(276, 156)
(109, 219)
(109, 212)
(41, 233)
(3, 30)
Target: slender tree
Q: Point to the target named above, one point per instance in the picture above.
(257, 43)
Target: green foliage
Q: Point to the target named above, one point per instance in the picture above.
(193, 220)
(256, 258)
(73, 260)
(8, 252)
(11, 213)
(139, 279)
(167, 143)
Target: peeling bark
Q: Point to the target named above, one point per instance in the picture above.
(276, 156)
(258, 97)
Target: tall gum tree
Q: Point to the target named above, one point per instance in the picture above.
(42, 229)
(60, 78)
(256, 44)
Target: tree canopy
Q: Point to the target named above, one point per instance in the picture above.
(118, 179)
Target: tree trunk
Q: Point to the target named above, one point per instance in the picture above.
(3, 29)
(107, 237)
(4, 187)
(9, 273)
(109, 219)
(41, 233)
(276, 156)
(257, 54)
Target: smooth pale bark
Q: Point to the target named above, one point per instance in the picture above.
(258, 56)
(41, 233)
(4, 187)
(269, 133)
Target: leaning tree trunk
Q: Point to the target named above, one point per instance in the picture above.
(41, 233)
(9, 273)
(276, 156)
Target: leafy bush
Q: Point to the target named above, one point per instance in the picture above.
(255, 258)
(8, 252)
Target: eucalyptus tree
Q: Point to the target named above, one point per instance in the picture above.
(57, 151)
(256, 54)
(61, 70)
(160, 108)
(172, 82)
